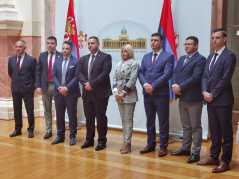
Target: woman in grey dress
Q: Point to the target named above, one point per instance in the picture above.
(125, 93)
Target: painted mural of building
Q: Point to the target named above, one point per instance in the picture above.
(139, 43)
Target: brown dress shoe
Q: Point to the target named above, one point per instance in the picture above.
(221, 168)
(147, 149)
(126, 149)
(163, 152)
(209, 161)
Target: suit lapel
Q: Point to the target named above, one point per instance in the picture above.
(157, 60)
(15, 63)
(189, 60)
(24, 61)
(217, 62)
(96, 60)
(69, 64)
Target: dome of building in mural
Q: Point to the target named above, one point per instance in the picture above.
(124, 31)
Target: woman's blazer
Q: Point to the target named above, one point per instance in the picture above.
(125, 79)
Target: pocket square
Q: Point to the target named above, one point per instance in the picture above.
(71, 66)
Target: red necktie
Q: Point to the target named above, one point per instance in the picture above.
(18, 63)
(155, 55)
(50, 68)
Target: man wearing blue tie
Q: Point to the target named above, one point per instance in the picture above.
(155, 71)
(66, 92)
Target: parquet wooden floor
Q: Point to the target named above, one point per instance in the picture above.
(22, 157)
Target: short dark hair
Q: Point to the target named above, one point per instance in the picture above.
(68, 43)
(24, 43)
(195, 39)
(224, 34)
(158, 35)
(94, 37)
(52, 38)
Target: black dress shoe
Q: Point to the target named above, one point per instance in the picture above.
(194, 158)
(100, 146)
(30, 134)
(73, 141)
(181, 153)
(16, 133)
(48, 135)
(87, 144)
(58, 140)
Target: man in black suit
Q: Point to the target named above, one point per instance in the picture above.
(93, 74)
(44, 83)
(186, 80)
(66, 92)
(217, 92)
(22, 70)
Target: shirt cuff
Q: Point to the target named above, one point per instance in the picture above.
(145, 84)
(115, 89)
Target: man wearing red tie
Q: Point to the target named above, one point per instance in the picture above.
(22, 69)
(44, 83)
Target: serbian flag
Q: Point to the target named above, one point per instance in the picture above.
(167, 30)
(71, 30)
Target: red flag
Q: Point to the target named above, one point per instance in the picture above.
(167, 30)
(71, 30)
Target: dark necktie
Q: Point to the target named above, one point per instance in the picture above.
(155, 55)
(64, 73)
(91, 66)
(50, 68)
(213, 61)
(18, 62)
(186, 60)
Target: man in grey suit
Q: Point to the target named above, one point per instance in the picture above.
(44, 83)
(22, 70)
(186, 81)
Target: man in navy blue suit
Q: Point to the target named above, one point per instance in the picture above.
(155, 71)
(217, 92)
(22, 69)
(186, 80)
(66, 92)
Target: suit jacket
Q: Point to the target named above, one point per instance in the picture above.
(125, 79)
(71, 79)
(157, 74)
(42, 70)
(218, 82)
(100, 79)
(189, 77)
(24, 79)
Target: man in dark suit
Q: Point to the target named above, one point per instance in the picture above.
(22, 70)
(155, 71)
(186, 80)
(66, 92)
(44, 83)
(93, 74)
(217, 92)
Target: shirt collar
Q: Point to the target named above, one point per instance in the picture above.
(95, 54)
(50, 52)
(22, 56)
(190, 56)
(158, 52)
(68, 58)
(220, 51)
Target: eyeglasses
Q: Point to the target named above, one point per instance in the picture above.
(188, 44)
